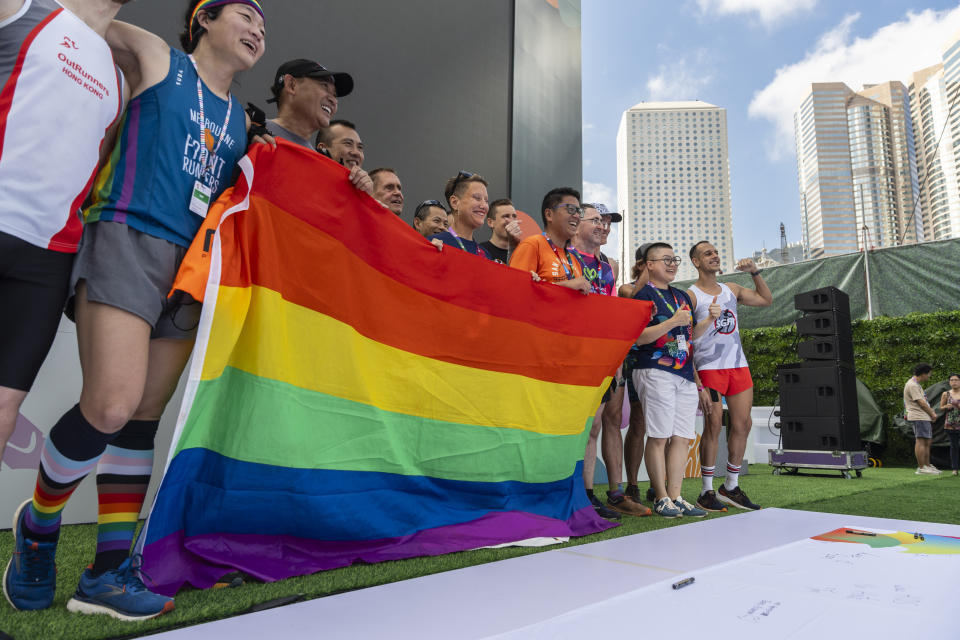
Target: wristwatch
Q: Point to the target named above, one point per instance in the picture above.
(756, 273)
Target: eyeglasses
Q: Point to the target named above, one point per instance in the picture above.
(594, 221)
(426, 204)
(667, 261)
(572, 209)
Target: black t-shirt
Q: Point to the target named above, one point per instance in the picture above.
(496, 253)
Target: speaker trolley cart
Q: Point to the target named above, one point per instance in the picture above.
(792, 460)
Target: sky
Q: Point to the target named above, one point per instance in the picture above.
(755, 58)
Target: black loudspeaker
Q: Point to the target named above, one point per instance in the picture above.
(824, 299)
(825, 323)
(820, 434)
(824, 391)
(827, 348)
(818, 407)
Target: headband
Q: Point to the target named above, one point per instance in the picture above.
(210, 4)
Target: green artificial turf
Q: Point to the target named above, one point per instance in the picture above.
(885, 493)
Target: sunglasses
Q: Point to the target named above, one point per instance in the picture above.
(426, 204)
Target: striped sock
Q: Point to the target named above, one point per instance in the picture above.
(69, 454)
(733, 477)
(123, 475)
(706, 474)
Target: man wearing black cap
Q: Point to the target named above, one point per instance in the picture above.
(306, 94)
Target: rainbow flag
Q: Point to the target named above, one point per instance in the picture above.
(356, 395)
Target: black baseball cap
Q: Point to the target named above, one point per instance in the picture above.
(302, 68)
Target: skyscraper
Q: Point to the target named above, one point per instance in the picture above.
(936, 117)
(673, 179)
(857, 169)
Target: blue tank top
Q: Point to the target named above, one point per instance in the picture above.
(149, 178)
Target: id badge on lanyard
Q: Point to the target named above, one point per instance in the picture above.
(200, 198)
(202, 193)
(682, 343)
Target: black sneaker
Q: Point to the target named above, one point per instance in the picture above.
(633, 492)
(651, 494)
(603, 511)
(708, 502)
(737, 498)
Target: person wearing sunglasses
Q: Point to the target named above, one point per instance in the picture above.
(468, 209)
(667, 383)
(548, 254)
(599, 273)
(430, 218)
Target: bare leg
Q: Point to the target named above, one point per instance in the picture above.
(167, 359)
(590, 455)
(10, 401)
(657, 465)
(740, 425)
(611, 444)
(633, 445)
(114, 350)
(676, 463)
(922, 451)
(710, 440)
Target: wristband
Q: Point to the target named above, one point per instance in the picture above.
(699, 387)
(755, 273)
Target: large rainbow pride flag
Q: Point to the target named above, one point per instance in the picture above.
(356, 395)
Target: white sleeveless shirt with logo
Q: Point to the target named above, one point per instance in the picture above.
(719, 347)
(60, 94)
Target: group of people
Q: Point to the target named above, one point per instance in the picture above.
(155, 135)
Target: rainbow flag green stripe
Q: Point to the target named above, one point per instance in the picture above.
(276, 423)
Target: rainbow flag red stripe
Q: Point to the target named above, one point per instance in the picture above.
(357, 395)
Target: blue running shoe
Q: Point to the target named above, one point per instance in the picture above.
(31, 576)
(119, 593)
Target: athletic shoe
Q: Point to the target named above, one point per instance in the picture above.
(736, 497)
(933, 469)
(688, 509)
(626, 505)
(665, 507)
(31, 576)
(602, 511)
(708, 502)
(926, 471)
(119, 593)
(633, 492)
(651, 495)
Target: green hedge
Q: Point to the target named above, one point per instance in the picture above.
(886, 350)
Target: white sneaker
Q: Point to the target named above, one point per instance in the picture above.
(926, 471)
(933, 469)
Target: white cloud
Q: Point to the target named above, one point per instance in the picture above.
(682, 79)
(599, 192)
(893, 52)
(769, 12)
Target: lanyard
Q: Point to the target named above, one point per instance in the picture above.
(596, 282)
(567, 269)
(675, 301)
(460, 242)
(212, 156)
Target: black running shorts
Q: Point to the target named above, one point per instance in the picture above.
(33, 288)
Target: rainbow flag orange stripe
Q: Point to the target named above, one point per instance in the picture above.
(357, 395)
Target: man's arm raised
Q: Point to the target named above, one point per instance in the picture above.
(761, 297)
(143, 57)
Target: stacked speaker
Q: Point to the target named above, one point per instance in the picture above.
(818, 396)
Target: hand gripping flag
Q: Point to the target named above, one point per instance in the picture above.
(357, 395)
